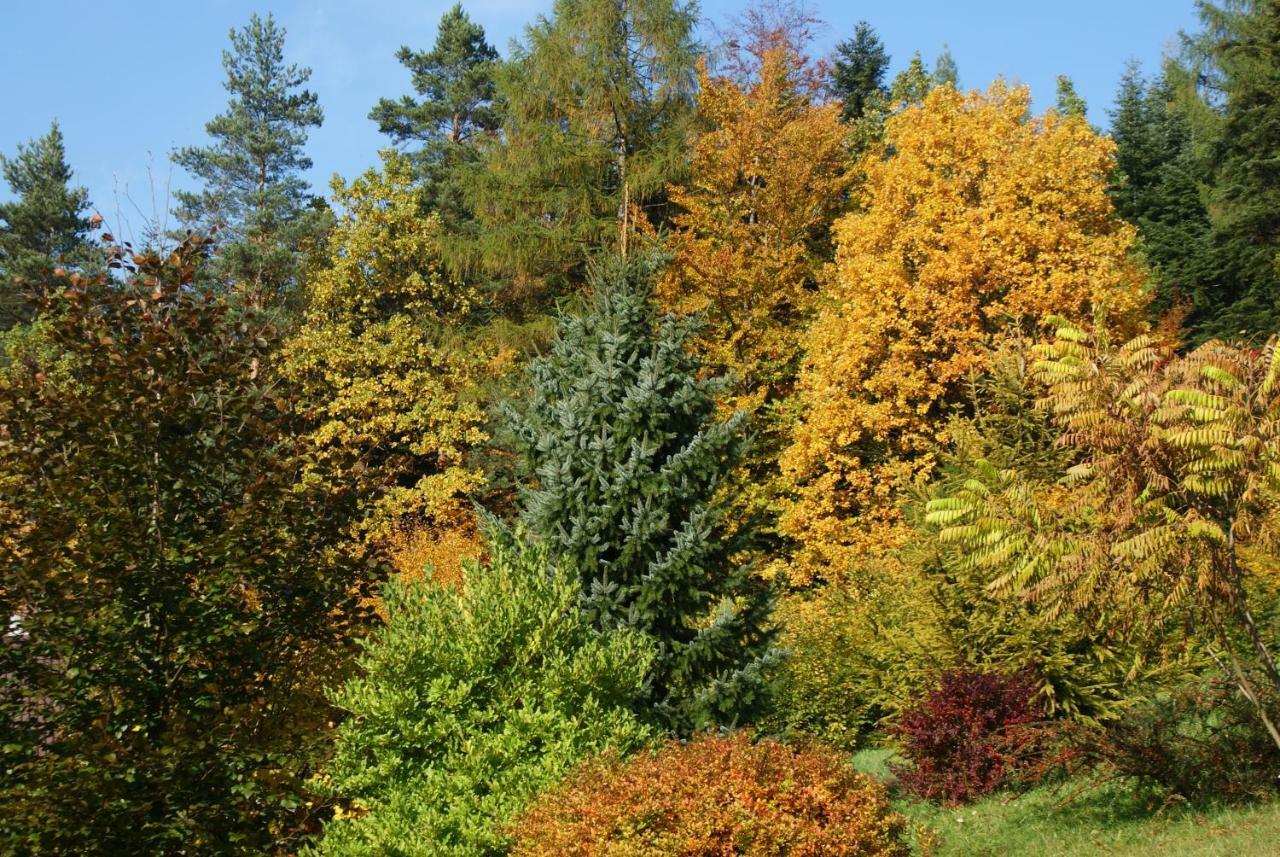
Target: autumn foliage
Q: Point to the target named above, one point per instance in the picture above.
(969, 735)
(974, 219)
(768, 175)
(710, 797)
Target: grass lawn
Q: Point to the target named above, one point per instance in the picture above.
(1107, 820)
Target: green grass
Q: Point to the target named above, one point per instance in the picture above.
(1105, 820)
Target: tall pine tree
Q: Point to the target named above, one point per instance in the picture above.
(253, 187)
(455, 107)
(626, 462)
(43, 228)
(597, 102)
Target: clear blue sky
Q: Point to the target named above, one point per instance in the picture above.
(129, 81)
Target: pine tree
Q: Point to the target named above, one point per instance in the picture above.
(626, 461)
(43, 228)
(253, 187)
(455, 109)
(1069, 102)
(596, 106)
(857, 76)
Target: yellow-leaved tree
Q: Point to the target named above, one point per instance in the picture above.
(975, 218)
(385, 370)
(768, 175)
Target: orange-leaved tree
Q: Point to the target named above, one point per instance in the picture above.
(975, 218)
(768, 175)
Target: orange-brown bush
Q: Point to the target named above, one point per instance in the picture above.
(714, 796)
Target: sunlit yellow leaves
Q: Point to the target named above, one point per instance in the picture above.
(380, 360)
(975, 219)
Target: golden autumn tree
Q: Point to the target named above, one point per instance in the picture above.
(975, 218)
(768, 175)
(380, 361)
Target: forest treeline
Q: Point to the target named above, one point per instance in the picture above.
(662, 419)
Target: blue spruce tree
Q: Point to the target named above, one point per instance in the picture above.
(627, 466)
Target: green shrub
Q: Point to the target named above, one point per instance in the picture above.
(472, 700)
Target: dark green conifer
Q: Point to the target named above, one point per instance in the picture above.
(252, 172)
(454, 110)
(627, 463)
(857, 75)
(44, 227)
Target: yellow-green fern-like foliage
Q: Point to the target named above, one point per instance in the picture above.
(1168, 514)
(864, 649)
(380, 358)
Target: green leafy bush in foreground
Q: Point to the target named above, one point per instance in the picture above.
(473, 700)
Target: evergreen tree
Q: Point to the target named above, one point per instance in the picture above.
(1244, 48)
(1069, 102)
(857, 75)
(911, 85)
(1156, 186)
(253, 187)
(42, 228)
(456, 88)
(626, 462)
(596, 107)
(945, 69)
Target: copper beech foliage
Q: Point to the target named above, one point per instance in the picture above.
(714, 796)
(975, 218)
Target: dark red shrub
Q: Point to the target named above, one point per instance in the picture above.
(969, 735)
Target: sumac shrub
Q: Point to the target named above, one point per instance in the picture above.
(714, 795)
(968, 735)
(1199, 741)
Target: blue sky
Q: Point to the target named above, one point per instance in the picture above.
(129, 81)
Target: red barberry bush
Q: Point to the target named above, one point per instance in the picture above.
(713, 796)
(969, 735)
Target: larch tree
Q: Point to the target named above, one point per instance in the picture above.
(453, 112)
(597, 102)
(253, 189)
(43, 228)
(973, 219)
(626, 459)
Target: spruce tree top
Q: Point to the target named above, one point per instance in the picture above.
(627, 460)
(857, 76)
